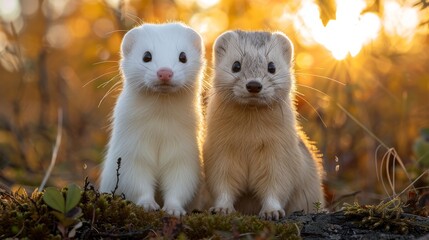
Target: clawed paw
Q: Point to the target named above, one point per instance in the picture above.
(174, 211)
(272, 214)
(149, 206)
(222, 210)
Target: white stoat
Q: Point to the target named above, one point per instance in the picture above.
(157, 118)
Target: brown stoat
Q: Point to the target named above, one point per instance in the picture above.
(256, 157)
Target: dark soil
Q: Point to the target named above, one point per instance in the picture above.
(338, 226)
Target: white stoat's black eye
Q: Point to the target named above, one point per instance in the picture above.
(236, 67)
(182, 57)
(271, 68)
(147, 56)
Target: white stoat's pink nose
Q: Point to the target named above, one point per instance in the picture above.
(164, 74)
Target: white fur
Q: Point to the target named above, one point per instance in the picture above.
(156, 131)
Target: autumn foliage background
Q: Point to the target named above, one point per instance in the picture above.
(362, 69)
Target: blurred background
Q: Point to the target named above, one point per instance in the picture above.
(362, 70)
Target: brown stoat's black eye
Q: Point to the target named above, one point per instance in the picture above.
(236, 66)
(182, 57)
(271, 68)
(147, 56)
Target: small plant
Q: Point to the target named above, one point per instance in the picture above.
(317, 206)
(386, 215)
(65, 209)
(418, 203)
(118, 162)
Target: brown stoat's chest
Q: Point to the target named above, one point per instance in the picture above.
(253, 129)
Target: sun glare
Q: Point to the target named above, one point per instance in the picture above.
(345, 35)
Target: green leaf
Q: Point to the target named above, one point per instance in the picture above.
(74, 213)
(73, 197)
(60, 216)
(54, 199)
(64, 221)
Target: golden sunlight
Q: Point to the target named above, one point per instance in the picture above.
(209, 24)
(207, 3)
(345, 35)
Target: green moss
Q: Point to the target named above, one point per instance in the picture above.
(107, 216)
(387, 216)
(235, 225)
(25, 216)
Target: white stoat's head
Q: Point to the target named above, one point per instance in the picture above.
(161, 57)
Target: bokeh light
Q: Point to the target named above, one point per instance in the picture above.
(54, 9)
(10, 10)
(58, 36)
(400, 20)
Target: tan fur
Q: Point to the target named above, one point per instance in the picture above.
(254, 155)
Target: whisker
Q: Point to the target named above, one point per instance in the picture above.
(320, 76)
(317, 112)
(271, 47)
(133, 18)
(111, 89)
(224, 100)
(236, 47)
(106, 83)
(226, 71)
(102, 75)
(115, 31)
(98, 63)
(314, 89)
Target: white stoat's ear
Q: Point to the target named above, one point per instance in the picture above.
(128, 42)
(197, 40)
(199, 43)
(285, 44)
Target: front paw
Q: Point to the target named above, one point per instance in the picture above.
(174, 210)
(149, 205)
(222, 210)
(272, 214)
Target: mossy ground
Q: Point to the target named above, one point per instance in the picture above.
(107, 216)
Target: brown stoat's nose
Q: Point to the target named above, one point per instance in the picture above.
(165, 74)
(254, 87)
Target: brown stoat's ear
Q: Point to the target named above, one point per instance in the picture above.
(285, 45)
(221, 44)
(128, 42)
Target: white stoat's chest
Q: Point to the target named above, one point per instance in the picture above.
(151, 126)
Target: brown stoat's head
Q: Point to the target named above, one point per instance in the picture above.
(253, 68)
